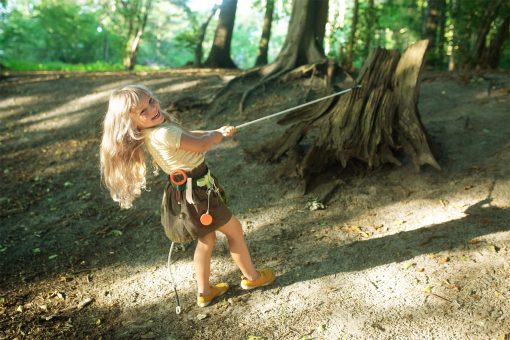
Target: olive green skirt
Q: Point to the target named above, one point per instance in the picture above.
(181, 220)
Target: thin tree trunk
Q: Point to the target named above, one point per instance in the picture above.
(352, 37)
(201, 36)
(370, 23)
(220, 51)
(136, 29)
(266, 33)
(430, 29)
(441, 40)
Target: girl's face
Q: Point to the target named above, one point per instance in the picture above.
(147, 114)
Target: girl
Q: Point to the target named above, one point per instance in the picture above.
(134, 118)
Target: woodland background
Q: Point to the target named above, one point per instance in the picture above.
(157, 34)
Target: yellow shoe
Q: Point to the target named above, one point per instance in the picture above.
(265, 278)
(216, 290)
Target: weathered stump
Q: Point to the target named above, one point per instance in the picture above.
(372, 124)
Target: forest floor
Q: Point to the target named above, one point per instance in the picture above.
(395, 254)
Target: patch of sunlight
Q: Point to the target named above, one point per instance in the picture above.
(148, 285)
(72, 111)
(385, 285)
(179, 86)
(68, 167)
(15, 102)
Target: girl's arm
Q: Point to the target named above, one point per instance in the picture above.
(191, 141)
(199, 132)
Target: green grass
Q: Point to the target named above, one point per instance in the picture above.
(23, 65)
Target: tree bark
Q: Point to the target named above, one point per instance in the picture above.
(490, 15)
(496, 47)
(304, 40)
(201, 36)
(371, 124)
(266, 33)
(220, 51)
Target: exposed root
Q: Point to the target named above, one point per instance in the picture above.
(262, 82)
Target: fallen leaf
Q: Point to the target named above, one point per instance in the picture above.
(364, 234)
(473, 241)
(444, 259)
(450, 285)
(427, 289)
(85, 302)
(201, 316)
(116, 232)
(408, 264)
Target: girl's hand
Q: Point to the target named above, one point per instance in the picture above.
(227, 131)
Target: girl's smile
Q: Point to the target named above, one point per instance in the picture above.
(147, 114)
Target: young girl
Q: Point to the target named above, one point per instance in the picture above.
(134, 118)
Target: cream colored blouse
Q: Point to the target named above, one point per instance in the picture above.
(163, 143)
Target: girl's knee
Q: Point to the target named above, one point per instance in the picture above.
(207, 240)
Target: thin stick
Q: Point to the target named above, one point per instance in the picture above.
(294, 108)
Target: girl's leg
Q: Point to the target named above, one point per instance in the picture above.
(238, 249)
(202, 261)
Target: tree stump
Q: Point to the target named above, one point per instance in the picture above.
(372, 124)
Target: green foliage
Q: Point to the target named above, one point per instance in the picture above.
(23, 65)
(92, 34)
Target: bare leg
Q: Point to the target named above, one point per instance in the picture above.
(202, 261)
(238, 249)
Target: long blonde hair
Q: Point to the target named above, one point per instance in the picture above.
(122, 157)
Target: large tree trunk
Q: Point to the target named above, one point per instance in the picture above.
(372, 124)
(303, 44)
(220, 51)
(305, 35)
(266, 33)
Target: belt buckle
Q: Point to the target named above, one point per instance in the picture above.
(178, 172)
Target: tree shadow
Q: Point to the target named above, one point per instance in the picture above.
(481, 219)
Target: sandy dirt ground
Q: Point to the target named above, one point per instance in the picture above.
(395, 254)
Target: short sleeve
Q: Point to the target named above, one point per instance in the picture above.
(169, 136)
